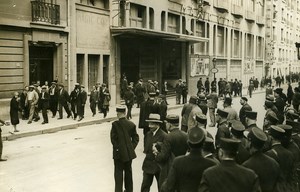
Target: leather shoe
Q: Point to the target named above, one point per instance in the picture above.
(29, 122)
(68, 116)
(44, 123)
(59, 118)
(3, 159)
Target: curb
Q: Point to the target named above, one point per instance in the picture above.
(50, 130)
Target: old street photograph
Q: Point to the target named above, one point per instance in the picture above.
(149, 95)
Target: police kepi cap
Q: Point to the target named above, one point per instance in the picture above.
(222, 113)
(231, 145)
(237, 128)
(251, 114)
(272, 118)
(257, 137)
(121, 108)
(196, 135)
(154, 118)
(172, 118)
(287, 128)
(277, 132)
(208, 144)
(294, 124)
(201, 118)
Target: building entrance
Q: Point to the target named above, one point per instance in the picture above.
(40, 64)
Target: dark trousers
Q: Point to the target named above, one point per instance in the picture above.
(184, 98)
(66, 107)
(74, 110)
(1, 144)
(129, 107)
(148, 180)
(45, 115)
(120, 168)
(80, 110)
(53, 106)
(93, 107)
(178, 98)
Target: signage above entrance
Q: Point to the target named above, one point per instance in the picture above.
(214, 70)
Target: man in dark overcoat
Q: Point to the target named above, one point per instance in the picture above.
(129, 101)
(245, 107)
(266, 168)
(124, 139)
(82, 97)
(74, 100)
(153, 140)
(63, 100)
(250, 120)
(280, 104)
(228, 176)
(139, 92)
(53, 102)
(44, 103)
(94, 100)
(186, 171)
(222, 127)
(14, 111)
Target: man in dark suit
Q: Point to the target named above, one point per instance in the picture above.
(266, 168)
(82, 97)
(44, 103)
(229, 176)
(63, 100)
(153, 140)
(186, 171)
(53, 102)
(245, 107)
(223, 129)
(280, 104)
(124, 139)
(174, 145)
(94, 100)
(74, 100)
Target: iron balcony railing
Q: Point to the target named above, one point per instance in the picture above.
(45, 12)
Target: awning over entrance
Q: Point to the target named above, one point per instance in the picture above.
(130, 31)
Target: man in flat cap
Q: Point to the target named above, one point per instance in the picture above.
(174, 145)
(284, 158)
(124, 139)
(152, 145)
(237, 132)
(44, 103)
(82, 97)
(232, 114)
(245, 107)
(63, 101)
(53, 101)
(222, 127)
(186, 110)
(250, 120)
(264, 166)
(186, 171)
(220, 179)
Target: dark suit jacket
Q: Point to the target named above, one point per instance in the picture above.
(82, 97)
(229, 177)
(150, 166)
(44, 103)
(124, 139)
(63, 97)
(186, 172)
(242, 114)
(266, 168)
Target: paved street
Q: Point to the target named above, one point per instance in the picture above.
(75, 160)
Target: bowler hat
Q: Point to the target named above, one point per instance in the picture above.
(196, 135)
(154, 118)
(172, 118)
(222, 113)
(278, 90)
(230, 145)
(201, 118)
(121, 108)
(277, 132)
(251, 115)
(257, 137)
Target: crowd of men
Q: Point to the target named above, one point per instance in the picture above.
(183, 156)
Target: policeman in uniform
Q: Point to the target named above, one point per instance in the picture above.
(250, 120)
(280, 104)
(229, 176)
(186, 171)
(124, 139)
(222, 127)
(270, 116)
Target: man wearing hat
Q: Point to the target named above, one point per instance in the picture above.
(129, 100)
(124, 139)
(63, 100)
(191, 120)
(284, 158)
(82, 97)
(202, 103)
(31, 101)
(186, 171)
(264, 166)
(44, 103)
(279, 104)
(245, 107)
(184, 92)
(174, 145)
(295, 134)
(250, 120)
(140, 90)
(270, 116)
(53, 100)
(232, 114)
(229, 176)
(178, 90)
(212, 104)
(222, 127)
(152, 145)
(237, 132)
(94, 100)
(187, 108)
(74, 100)
(104, 99)
(296, 99)
(209, 150)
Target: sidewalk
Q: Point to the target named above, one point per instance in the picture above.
(55, 125)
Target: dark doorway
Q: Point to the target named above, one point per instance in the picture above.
(40, 64)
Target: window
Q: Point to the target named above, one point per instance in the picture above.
(44, 11)
(200, 32)
(173, 23)
(249, 46)
(220, 41)
(236, 44)
(137, 15)
(259, 53)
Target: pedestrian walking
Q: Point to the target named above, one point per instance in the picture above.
(104, 100)
(153, 139)
(290, 93)
(82, 97)
(206, 85)
(139, 92)
(222, 128)
(186, 171)
(23, 105)
(94, 100)
(178, 90)
(251, 88)
(220, 179)
(184, 92)
(124, 139)
(44, 104)
(129, 101)
(63, 102)
(14, 111)
(53, 102)
(245, 107)
(74, 100)
(165, 91)
(31, 101)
